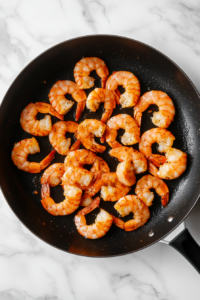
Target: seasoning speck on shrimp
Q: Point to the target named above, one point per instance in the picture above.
(161, 118)
(60, 103)
(125, 206)
(85, 66)
(20, 154)
(86, 132)
(124, 121)
(36, 127)
(101, 225)
(102, 95)
(57, 136)
(131, 84)
(148, 182)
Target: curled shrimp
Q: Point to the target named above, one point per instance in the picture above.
(68, 206)
(111, 188)
(60, 103)
(86, 132)
(38, 127)
(125, 206)
(173, 167)
(161, 118)
(124, 121)
(85, 66)
(20, 154)
(53, 174)
(102, 95)
(148, 182)
(81, 157)
(57, 136)
(131, 84)
(101, 225)
(76, 176)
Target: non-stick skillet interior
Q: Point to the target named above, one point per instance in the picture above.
(155, 72)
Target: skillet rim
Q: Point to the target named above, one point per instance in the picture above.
(26, 67)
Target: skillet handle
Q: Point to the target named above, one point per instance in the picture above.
(186, 245)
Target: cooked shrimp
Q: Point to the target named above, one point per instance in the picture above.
(76, 176)
(101, 225)
(125, 173)
(85, 66)
(161, 118)
(60, 103)
(175, 165)
(124, 121)
(86, 132)
(53, 174)
(21, 151)
(162, 137)
(57, 136)
(69, 205)
(38, 127)
(131, 203)
(148, 182)
(102, 95)
(127, 153)
(82, 157)
(131, 84)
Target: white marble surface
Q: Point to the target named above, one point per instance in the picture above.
(29, 268)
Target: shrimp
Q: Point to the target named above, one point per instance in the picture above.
(85, 66)
(68, 206)
(102, 95)
(77, 176)
(86, 132)
(60, 103)
(124, 121)
(125, 173)
(131, 84)
(21, 151)
(175, 165)
(38, 127)
(127, 204)
(53, 174)
(57, 136)
(101, 225)
(82, 157)
(148, 182)
(162, 137)
(161, 118)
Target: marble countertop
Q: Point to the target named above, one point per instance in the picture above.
(31, 269)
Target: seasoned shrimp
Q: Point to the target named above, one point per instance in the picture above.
(124, 121)
(85, 66)
(131, 84)
(76, 176)
(148, 182)
(53, 174)
(127, 204)
(82, 157)
(161, 118)
(125, 173)
(60, 103)
(68, 206)
(162, 137)
(21, 151)
(57, 136)
(173, 167)
(102, 95)
(38, 127)
(101, 225)
(86, 132)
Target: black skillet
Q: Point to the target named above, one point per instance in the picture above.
(155, 72)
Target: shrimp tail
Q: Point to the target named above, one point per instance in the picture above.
(138, 117)
(157, 160)
(103, 82)
(152, 169)
(117, 94)
(95, 203)
(75, 146)
(80, 109)
(118, 222)
(54, 113)
(47, 160)
(165, 199)
(103, 138)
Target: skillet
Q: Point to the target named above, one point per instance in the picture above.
(155, 72)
